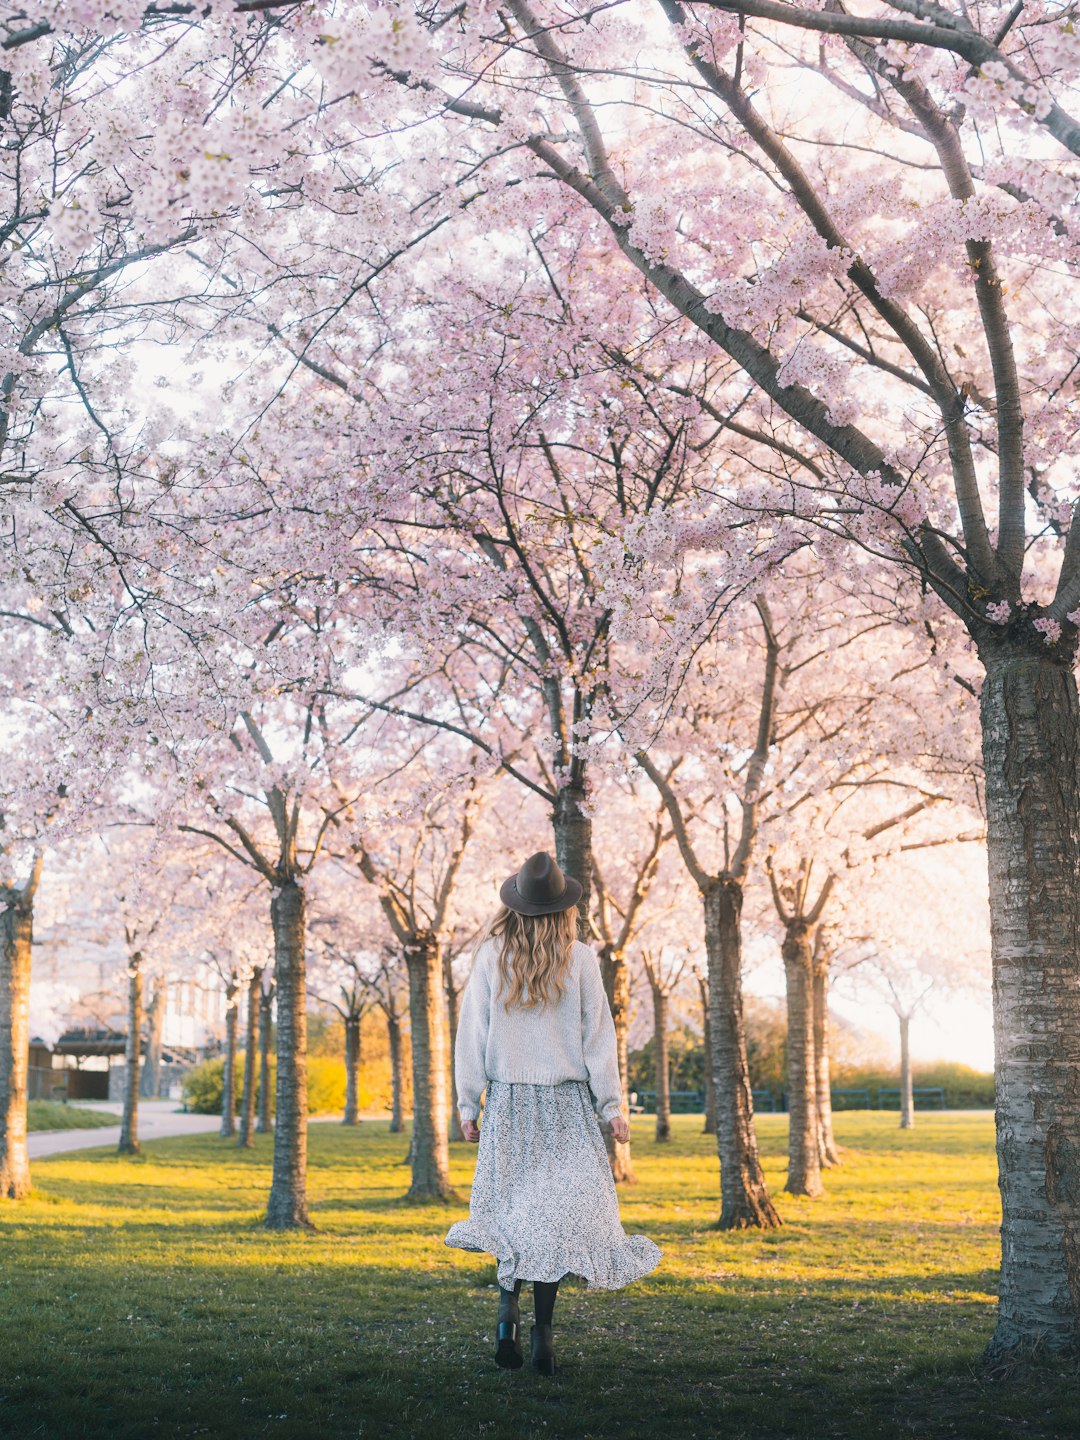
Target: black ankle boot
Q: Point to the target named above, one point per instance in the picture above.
(543, 1350)
(508, 1353)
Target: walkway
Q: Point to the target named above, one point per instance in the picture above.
(157, 1119)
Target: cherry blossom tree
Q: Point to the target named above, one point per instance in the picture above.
(876, 316)
(663, 972)
(623, 880)
(410, 849)
(744, 1197)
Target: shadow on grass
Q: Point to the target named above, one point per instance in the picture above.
(143, 1299)
(270, 1349)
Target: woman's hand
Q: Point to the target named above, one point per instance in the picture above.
(620, 1128)
(471, 1131)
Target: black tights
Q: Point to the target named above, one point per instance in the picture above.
(545, 1293)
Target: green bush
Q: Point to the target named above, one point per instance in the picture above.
(202, 1086)
(326, 1085)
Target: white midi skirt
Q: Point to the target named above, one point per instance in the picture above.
(543, 1199)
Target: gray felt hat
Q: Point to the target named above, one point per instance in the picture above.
(539, 888)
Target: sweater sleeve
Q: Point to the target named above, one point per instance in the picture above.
(598, 1042)
(471, 1044)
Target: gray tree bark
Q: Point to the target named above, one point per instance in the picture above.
(804, 1160)
(663, 1063)
(573, 848)
(828, 1151)
(430, 1151)
(744, 1196)
(1031, 739)
(155, 1025)
(616, 976)
(246, 1139)
(451, 1023)
(287, 1206)
(129, 1120)
(352, 1070)
(16, 937)
(907, 1099)
(706, 1035)
(397, 1073)
(266, 1030)
(228, 1074)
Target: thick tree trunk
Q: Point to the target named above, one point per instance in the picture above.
(287, 1206)
(744, 1197)
(397, 1073)
(228, 1073)
(352, 1071)
(430, 1152)
(150, 1079)
(907, 1099)
(663, 1063)
(451, 1025)
(266, 1030)
(129, 1120)
(616, 977)
(1031, 739)
(828, 1152)
(804, 1160)
(16, 937)
(710, 1083)
(251, 1059)
(573, 848)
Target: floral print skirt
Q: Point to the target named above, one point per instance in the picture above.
(543, 1200)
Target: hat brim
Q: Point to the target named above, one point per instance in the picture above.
(508, 894)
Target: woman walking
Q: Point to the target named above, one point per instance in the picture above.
(535, 1032)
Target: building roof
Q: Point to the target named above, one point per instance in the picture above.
(91, 1042)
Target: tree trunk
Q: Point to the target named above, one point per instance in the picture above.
(129, 1121)
(397, 1075)
(287, 1206)
(828, 1153)
(907, 1099)
(663, 1063)
(247, 1102)
(573, 848)
(744, 1197)
(710, 1083)
(150, 1079)
(352, 1070)
(804, 1159)
(451, 1024)
(616, 977)
(266, 1030)
(16, 936)
(430, 1152)
(228, 1074)
(1031, 738)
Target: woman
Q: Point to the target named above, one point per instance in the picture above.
(536, 1033)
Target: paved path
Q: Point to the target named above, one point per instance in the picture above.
(157, 1119)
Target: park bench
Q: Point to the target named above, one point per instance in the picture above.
(683, 1102)
(922, 1095)
(850, 1099)
(764, 1100)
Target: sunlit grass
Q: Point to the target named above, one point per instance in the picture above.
(141, 1297)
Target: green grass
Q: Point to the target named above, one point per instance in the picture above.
(141, 1298)
(54, 1115)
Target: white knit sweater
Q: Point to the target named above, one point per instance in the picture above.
(571, 1040)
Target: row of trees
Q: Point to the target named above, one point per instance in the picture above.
(523, 433)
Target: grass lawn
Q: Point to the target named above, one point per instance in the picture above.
(140, 1298)
(54, 1115)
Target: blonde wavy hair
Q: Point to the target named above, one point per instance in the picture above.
(534, 955)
